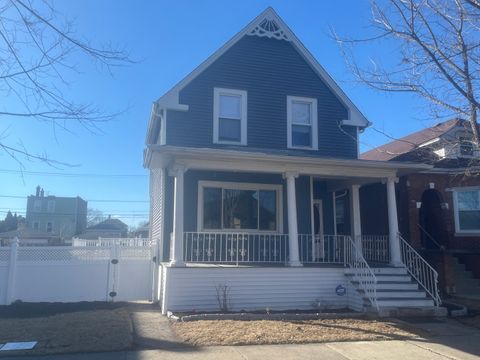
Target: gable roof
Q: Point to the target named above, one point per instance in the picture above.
(410, 142)
(109, 224)
(267, 24)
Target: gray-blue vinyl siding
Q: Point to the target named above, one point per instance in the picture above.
(269, 70)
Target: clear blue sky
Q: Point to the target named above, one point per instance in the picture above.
(170, 38)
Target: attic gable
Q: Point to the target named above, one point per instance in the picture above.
(267, 24)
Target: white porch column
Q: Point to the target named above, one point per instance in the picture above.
(356, 223)
(395, 257)
(176, 246)
(294, 259)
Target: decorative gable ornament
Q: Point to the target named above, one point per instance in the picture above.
(268, 27)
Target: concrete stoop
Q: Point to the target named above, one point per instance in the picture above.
(398, 294)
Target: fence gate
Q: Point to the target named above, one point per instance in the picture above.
(130, 273)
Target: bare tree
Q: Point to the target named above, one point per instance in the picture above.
(438, 54)
(38, 50)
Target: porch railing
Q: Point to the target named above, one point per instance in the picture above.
(317, 249)
(376, 248)
(235, 248)
(362, 273)
(420, 270)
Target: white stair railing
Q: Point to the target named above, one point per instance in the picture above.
(420, 270)
(361, 271)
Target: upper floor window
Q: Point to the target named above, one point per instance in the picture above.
(302, 123)
(466, 147)
(229, 116)
(37, 205)
(51, 206)
(35, 225)
(49, 227)
(467, 210)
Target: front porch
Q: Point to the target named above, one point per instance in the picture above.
(305, 230)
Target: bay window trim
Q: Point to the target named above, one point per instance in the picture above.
(278, 188)
(314, 122)
(456, 210)
(216, 115)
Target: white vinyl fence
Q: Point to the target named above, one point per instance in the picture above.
(109, 272)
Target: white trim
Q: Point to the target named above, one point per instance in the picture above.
(240, 186)
(314, 121)
(249, 161)
(312, 223)
(334, 208)
(243, 115)
(171, 98)
(163, 127)
(455, 191)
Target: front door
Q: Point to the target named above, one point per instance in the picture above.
(318, 243)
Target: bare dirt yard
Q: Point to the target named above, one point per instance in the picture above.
(236, 332)
(66, 328)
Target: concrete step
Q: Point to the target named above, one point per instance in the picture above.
(390, 271)
(399, 294)
(404, 302)
(467, 283)
(393, 285)
(407, 294)
(395, 278)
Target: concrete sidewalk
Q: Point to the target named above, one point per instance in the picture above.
(463, 347)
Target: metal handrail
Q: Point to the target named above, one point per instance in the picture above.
(441, 247)
(420, 270)
(362, 271)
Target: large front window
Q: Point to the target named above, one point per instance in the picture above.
(233, 206)
(302, 123)
(467, 210)
(230, 116)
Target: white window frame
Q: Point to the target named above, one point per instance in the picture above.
(455, 192)
(240, 186)
(216, 115)
(314, 125)
(46, 227)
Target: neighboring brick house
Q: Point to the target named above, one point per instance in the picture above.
(439, 209)
(61, 217)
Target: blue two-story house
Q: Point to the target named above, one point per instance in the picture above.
(256, 187)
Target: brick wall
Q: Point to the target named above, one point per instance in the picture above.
(411, 189)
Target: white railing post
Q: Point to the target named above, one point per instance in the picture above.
(12, 272)
(394, 241)
(294, 258)
(176, 245)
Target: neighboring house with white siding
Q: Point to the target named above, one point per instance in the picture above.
(256, 184)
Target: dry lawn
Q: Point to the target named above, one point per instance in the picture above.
(80, 331)
(231, 332)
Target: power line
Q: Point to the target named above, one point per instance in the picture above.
(44, 173)
(90, 200)
(129, 215)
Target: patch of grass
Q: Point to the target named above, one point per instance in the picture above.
(231, 332)
(69, 332)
